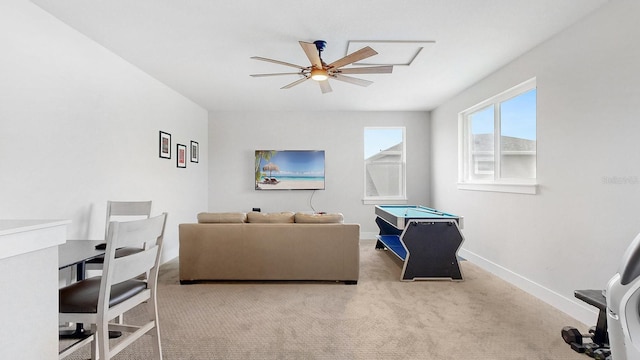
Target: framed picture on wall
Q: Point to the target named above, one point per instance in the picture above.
(165, 145)
(181, 151)
(195, 155)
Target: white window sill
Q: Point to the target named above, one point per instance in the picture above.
(384, 201)
(517, 188)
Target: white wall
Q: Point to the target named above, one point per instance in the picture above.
(234, 136)
(572, 234)
(79, 126)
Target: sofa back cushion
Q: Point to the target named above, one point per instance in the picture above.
(336, 218)
(225, 217)
(279, 218)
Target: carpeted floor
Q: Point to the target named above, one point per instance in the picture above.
(381, 317)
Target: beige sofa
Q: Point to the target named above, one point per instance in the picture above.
(276, 246)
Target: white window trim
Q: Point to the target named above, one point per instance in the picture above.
(519, 186)
(384, 201)
(390, 200)
(506, 187)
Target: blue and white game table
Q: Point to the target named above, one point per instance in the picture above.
(425, 239)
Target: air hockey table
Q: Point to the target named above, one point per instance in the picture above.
(426, 240)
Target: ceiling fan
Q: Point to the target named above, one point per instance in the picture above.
(321, 72)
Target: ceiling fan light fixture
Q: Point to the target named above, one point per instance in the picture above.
(319, 74)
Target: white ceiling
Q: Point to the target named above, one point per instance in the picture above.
(202, 48)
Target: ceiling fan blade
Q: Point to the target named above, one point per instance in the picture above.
(325, 87)
(361, 54)
(279, 62)
(275, 74)
(299, 81)
(387, 69)
(312, 53)
(352, 80)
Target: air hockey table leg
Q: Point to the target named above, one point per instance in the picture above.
(432, 250)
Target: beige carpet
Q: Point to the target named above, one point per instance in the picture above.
(482, 317)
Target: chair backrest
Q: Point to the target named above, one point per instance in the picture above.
(126, 210)
(146, 234)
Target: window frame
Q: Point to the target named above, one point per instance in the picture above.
(396, 199)
(497, 183)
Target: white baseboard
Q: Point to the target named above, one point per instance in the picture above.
(581, 311)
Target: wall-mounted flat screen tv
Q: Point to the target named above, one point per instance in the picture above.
(289, 170)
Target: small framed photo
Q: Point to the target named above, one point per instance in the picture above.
(195, 152)
(165, 145)
(181, 151)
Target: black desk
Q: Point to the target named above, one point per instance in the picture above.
(77, 252)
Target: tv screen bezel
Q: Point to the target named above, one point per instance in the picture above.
(288, 184)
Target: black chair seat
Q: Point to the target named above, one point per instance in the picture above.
(126, 251)
(82, 296)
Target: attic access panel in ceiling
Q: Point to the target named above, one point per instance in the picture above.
(390, 52)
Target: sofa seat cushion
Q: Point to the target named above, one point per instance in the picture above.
(336, 218)
(278, 218)
(224, 217)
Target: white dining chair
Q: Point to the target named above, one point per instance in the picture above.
(120, 211)
(99, 300)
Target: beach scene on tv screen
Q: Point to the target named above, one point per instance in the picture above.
(289, 169)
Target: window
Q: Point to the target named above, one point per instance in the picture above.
(384, 164)
(498, 142)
